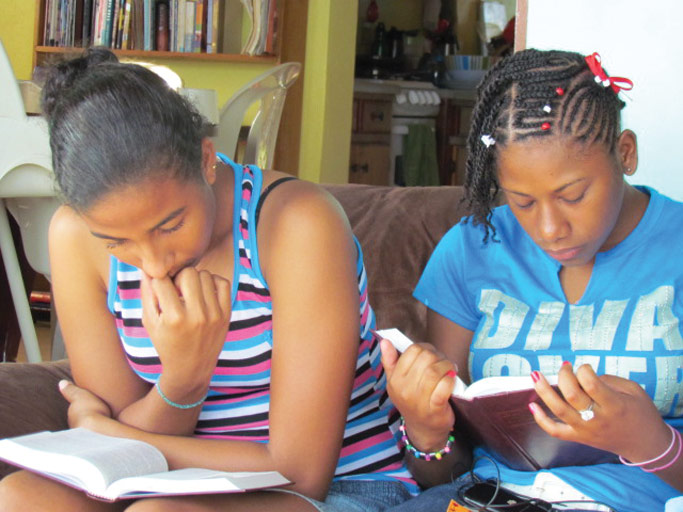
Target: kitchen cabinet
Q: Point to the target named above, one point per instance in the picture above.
(453, 124)
(370, 139)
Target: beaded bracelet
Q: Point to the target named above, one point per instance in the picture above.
(176, 404)
(660, 457)
(420, 454)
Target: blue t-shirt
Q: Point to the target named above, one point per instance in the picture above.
(508, 293)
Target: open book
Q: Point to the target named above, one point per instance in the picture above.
(495, 412)
(112, 468)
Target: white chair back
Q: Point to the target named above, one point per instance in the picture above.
(270, 89)
(11, 103)
(27, 190)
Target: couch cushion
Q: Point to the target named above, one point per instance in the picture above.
(30, 400)
(398, 228)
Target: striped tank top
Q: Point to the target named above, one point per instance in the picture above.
(237, 404)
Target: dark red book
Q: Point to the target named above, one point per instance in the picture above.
(495, 413)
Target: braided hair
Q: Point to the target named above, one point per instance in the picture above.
(537, 94)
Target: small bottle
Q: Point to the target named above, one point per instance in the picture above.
(380, 42)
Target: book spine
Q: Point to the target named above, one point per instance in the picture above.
(115, 23)
(122, 16)
(101, 23)
(162, 27)
(198, 26)
(189, 24)
(138, 27)
(172, 23)
(180, 29)
(209, 26)
(108, 24)
(87, 23)
(147, 24)
(54, 22)
(272, 28)
(126, 25)
(59, 37)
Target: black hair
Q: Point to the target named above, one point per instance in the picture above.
(511, 106)
(114, 124)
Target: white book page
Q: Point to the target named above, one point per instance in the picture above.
(194, 480)
(87, 459)
(482, 387)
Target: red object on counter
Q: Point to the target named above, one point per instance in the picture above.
(372, 14)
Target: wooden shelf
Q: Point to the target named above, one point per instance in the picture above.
(214, 57)
(290, 46)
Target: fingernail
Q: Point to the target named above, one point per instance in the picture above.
(533, 408)
(62, 384)
(565, 363)
(535, 376)
(451, 373)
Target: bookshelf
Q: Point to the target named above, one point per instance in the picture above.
(290, 46)
(42, 53)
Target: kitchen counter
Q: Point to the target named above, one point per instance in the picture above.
(393, 87)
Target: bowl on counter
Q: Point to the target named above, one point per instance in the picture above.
(464, 78)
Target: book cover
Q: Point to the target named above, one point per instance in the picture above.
(111, 468)
(495, 413)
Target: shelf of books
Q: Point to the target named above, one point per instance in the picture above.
(172, 29)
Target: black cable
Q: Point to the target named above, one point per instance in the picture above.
(524, 500)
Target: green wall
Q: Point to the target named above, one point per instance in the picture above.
(328, 90)
(328, 78)
(16, 32)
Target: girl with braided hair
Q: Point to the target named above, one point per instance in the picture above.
(578, 275)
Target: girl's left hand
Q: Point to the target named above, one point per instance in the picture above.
(621, 409)
(84, 407)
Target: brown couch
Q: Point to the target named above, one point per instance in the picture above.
(397, 228)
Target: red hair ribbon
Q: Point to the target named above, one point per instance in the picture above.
(616, 82)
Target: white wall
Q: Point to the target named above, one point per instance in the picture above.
(640, 40)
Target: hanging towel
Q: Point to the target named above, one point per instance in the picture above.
(419, 156)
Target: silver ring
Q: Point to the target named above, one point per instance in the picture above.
(587, 414)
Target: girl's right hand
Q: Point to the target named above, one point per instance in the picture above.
(187, 319)
(420, 382)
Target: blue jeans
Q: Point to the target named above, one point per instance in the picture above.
(438, 498)
(435, 499)
(359, 496)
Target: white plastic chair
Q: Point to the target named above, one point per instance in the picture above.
(27, 190)
(270, 89)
